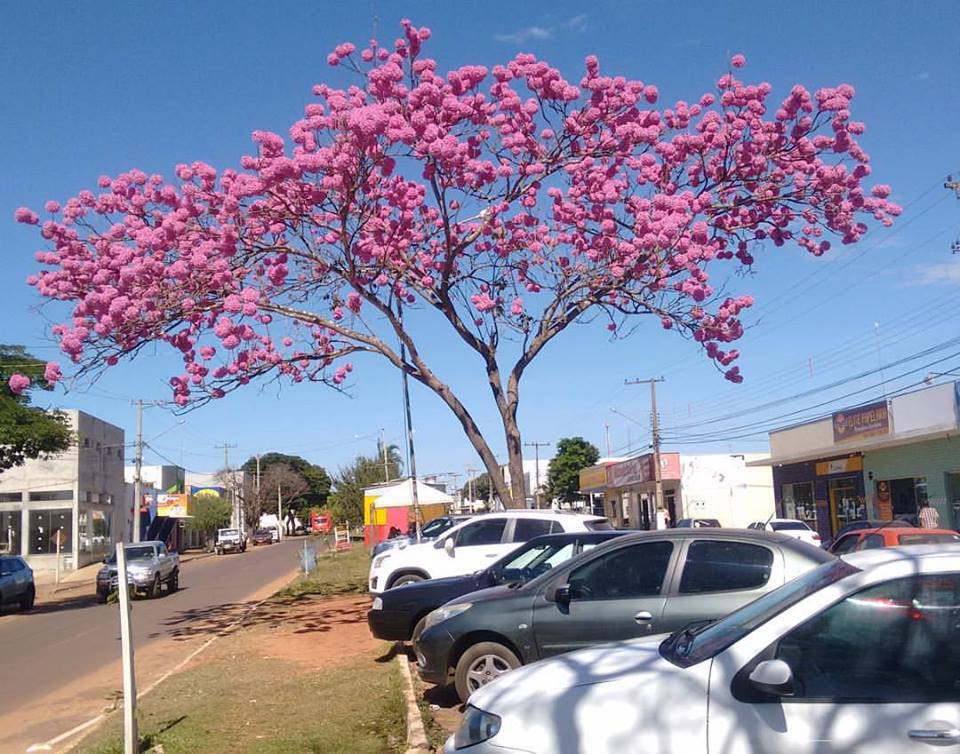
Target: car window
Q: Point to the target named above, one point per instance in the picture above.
(634, 571)
(789, 526)
(724, 566)
(486, 532)
(927, 539)
(526, 529)
(10, 565)
(889, 643)
(871, 542)
(162, 549)
(846, 543)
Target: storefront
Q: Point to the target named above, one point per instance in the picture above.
(630, 492)
(880, 460)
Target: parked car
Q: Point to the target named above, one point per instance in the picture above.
(261, 537)
(868, 539)
(472, 545)
(16, 582)
(641, 584)
(863, 524)
(792, 527)
(698, 523)
(149, 566)
(430, 531)
(858, 655)
(399, 614)
(230, 540)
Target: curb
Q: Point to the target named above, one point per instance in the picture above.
(416, 733)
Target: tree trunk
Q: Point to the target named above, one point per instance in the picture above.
(518, 492)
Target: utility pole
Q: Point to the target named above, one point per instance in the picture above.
(606, 430)
(536, 450)
(951, 185)
(137, 476)
(470, 488)
(408, 420)
(279, 513)
(655, 430)
(383, 451)
(231, 482)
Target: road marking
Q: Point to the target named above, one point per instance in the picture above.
(48, 745)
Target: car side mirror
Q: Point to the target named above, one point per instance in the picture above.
(448, 545)
(560, 594)
(773, 677)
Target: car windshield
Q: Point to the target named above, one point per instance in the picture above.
(693, 645)
(436, 527)
(788, 525)
(598, 524)
(533, 561)
(262, 532)
(229, 532)
(134, 553)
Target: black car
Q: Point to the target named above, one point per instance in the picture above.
(398, 614)
(638, 585)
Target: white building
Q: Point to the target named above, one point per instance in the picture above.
(532, 473)
(76, 497)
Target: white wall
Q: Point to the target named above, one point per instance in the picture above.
(721, 486)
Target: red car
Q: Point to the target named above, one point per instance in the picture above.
(262, 537)
(889, 536)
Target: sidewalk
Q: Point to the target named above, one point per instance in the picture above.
(83, 578)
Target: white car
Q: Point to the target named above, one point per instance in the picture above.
(792, 527)
(858, 655)
(472, 545)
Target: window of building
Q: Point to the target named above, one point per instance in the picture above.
(46, 527)
(11, 497)
(10, 532)
(890, 643)
(725, 566)
(48, 495)
(93, 531)
(798, 503)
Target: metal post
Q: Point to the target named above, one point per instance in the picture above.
(58, 536)
(606, 427)
(131, 741)
(137, 476)
(409, 426)
(279, 514)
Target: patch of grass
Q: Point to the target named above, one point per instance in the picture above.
(240, 703)
(336, 573)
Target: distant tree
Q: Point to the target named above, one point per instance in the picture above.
(316, 477)
(563, 473)
(27, 431)
(480, 487)
(279, 483)
(210, 512)
(346, 500)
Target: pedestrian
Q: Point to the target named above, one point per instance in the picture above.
(929, 517)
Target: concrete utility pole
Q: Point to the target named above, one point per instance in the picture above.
(137, 476)
(951, 185)
(408, 420)
(655, 429)
(383, 451)
(131, 739)
(231, 482)
(536, 450)
(606, 429)
(279, 513)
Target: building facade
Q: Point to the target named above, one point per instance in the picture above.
(879, 460)
(72, 503)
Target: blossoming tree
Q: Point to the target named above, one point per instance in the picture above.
(508, 204)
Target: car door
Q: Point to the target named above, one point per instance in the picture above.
(475, 546)
(717, 577)
(615, 595)
(876, 671)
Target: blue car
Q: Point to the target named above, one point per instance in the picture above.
(16, 582)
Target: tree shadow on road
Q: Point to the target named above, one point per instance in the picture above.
(310, 616)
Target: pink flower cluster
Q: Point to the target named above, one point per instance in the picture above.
(496, 196)
(18, 383)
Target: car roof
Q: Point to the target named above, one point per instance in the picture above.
(742, 535)
(585, 536)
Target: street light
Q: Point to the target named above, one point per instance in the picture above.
(933, 375)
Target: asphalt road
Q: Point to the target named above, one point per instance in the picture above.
(54, 647)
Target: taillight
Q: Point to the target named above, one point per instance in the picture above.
(816, 537)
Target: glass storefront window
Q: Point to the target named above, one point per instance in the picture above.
(845, 504)
(10, 532)
(920, 485)
(798, 503)
(44, 526)
(93, 531)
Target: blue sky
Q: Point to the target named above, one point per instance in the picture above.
(93, 88)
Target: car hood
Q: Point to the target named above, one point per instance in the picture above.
(492, 593)
(419, 591)
(647, 703)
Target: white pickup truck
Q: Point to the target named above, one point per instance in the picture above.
(230, 540)
(149, 566)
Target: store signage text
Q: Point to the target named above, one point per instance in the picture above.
(862, 422)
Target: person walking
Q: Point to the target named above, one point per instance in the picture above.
(929, 517)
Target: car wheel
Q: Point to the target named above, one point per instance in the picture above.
(154, 589)
(418, 629)
(481, 664)
(410, 578)
(27, 600)
(173, 583)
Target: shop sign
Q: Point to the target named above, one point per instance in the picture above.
(593, 478)
(840, 466)
(173, 505)
(862, 422)
(207, 491)
(640, 470)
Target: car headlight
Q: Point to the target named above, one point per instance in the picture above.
(377, 604)
(476, 727)
(377, 562)
(445, 613)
